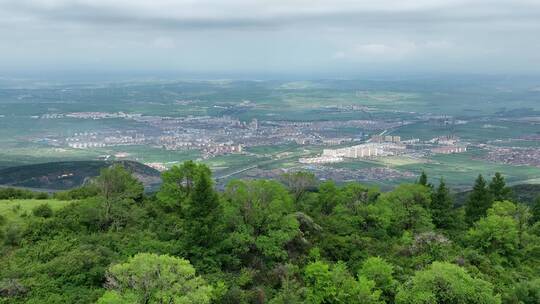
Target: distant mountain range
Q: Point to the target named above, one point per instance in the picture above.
(70, 174)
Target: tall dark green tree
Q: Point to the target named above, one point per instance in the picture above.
(535, 210)
(498, 188)
(409, 205)
(442, 207)
(329, 197)
(479, 201)
(203, 214)
(423, 179)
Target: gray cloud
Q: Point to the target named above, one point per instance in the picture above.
(178, 15)
(277, 35)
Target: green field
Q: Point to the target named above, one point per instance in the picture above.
(473, 131)
(460, 170)
(16, 210)
(397, 161)
(356, 165)
(272, 150)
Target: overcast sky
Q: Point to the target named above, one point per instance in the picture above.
(289, 36)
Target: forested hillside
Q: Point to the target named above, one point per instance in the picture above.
(69, 174)
(264, 241)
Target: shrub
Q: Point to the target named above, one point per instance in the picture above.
(13, 235)
(77, 193)
(13, 193)
(41, 195)
(43, 210)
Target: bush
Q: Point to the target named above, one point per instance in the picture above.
(43, 210)
(62, 196)
(446, 283)
(41, 195)
(13, 193)
(77, 193)
(13, 235)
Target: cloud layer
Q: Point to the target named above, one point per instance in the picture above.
(265, 35)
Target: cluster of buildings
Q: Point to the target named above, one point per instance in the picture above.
(388, 145)
(449, 144)
(87, 140)
(385, 138)
(86, 145)
(348, 108)
(358, 151)
(367, 150)
(214, 136)
(449, 149)
(320, 160)
(220, 149)
(513, 155)
(89, 115)
(217, 135)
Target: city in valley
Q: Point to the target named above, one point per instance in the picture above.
(270, 152)
(341, 130)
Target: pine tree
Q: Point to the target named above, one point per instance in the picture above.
(535, 210)
(479, 201)
(202, 217)
(442, 207)
(423, 180)
(498, 188)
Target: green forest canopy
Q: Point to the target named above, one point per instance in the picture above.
(265, 241)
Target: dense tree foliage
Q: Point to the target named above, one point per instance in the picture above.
(498, 188)
(535, 218)
(442, 207)
(334, 284)
(152, 278)
(479, 201)
(423, 179)
(43, 210)
(13, 193)
(264, 241)
(446, 283)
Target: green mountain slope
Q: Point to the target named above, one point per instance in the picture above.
(70, 174)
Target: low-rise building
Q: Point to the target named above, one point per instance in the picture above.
(449, 149)
(321, 160)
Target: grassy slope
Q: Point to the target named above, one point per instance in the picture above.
(15, 210)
